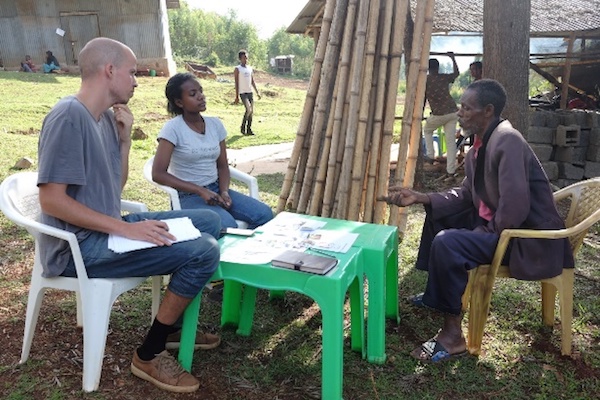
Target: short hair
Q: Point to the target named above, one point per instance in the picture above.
(476, 64)
(173, 91)
(434, 64)
(242, 53)
(99, 52)
(489, 91)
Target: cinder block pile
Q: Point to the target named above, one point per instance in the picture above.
(567, 142)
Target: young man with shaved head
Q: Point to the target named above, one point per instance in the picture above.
(83, 165)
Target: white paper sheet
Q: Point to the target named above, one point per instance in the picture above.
(181, 228)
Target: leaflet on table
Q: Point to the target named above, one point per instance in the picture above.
(182, 228)
(262, 248)
(290, 222)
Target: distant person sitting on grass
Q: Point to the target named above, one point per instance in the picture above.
(51, 64)
(28, 65)
(192, 158)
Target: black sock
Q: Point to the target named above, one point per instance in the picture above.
(155, 340)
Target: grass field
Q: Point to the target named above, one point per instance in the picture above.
(282, 358)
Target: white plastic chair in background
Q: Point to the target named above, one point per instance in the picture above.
(19, 201)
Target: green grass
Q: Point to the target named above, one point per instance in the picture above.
(282, 358)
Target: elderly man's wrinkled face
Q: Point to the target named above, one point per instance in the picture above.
(472, 116)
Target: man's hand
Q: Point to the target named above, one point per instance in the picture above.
(403, 197)
(124, 119)
(451, 54)
(237, 100)
(258, 95)
(152, 231)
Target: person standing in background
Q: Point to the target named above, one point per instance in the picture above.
(443, 111)
(476, 70)
(244, 82)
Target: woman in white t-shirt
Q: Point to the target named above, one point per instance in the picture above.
(192, 158)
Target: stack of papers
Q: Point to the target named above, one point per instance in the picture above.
(181, 228)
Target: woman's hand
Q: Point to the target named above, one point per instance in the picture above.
(211, 198)
(226, 199)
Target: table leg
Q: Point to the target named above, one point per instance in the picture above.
(232, 295)
(247, 310)
(188, 333)
(391, 285)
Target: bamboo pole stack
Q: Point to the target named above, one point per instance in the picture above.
(341, 156)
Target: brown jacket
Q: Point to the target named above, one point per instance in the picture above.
(519, 194)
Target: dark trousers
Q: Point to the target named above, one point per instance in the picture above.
(449, 248)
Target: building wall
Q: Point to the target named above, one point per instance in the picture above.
(29, 27)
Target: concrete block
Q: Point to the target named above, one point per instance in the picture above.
(537, 118)
(552, 120)
(584, 137)
(580, 117)
(579, 155)
(591, 119)
(539, 134)
(569, 171)
(592, 169)
(567, 135)
(551, 169)
(542, 151)
(593, 153)
(563, 154)
(594, 136)
(567, 118)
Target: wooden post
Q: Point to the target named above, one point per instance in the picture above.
(564, 94)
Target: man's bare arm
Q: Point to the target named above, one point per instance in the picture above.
(55, 202)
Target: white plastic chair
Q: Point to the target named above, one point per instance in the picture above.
(19, 201)
(236, 174)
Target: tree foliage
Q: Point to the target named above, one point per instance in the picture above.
(215, 40)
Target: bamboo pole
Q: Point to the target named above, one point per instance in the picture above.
(415, 131)
(414, 100)
(308, 105)
(327, 175)
(377, 148)
(355, 87)
(328, 72)
(399, 25)
(357, 173)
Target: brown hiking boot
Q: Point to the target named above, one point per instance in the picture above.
(204, 341)
(165, 372)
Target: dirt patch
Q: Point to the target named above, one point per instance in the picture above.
(265, 79)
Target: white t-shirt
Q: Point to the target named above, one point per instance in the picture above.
(194, 157)
(244, 79)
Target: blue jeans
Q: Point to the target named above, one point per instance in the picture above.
(243, 208)
(190, 263)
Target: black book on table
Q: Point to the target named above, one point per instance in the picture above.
(305, 262)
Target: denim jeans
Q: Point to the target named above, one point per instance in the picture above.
(243, 208)
(190, 263)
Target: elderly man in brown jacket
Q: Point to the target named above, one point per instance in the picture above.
(504, 187)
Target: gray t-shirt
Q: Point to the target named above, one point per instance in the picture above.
(194, 157)
(77, 150)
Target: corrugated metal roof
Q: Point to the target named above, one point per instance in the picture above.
(548, 17)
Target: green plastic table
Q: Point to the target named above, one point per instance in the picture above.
(329, 291)
(379, 245)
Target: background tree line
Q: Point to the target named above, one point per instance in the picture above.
(213, 39)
